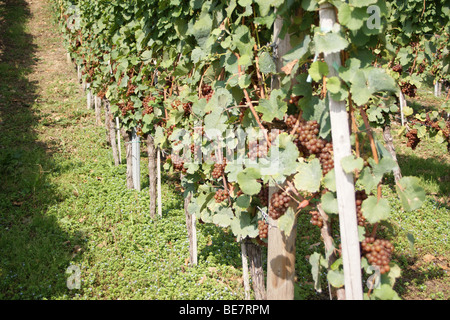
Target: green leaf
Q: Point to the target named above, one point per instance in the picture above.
(375, 210)
(329, 181)
(286, 221)
(317, 70)
(336, 278)
(243, 201)
(329, 203)
(330, 42)
(351, 17)
(308, 176)
(266, 63)
(282, 158)
(243, 225)
(265, 5)
(275, 107)
(385, 292)
(202, 28)
(411, 194)
(298, 52)
(350, 164)
(367, 180)
(223, 217)
(314, 260)
(146, 56)
(247, 181)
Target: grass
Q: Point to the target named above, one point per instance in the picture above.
(63, 203)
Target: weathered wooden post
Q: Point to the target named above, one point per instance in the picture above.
(136, 157)
(345, 188)
(281, 249)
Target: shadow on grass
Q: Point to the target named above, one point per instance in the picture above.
(33, 254)
(433, 171)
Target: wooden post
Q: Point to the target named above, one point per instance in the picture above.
(281, 249)
(158, 187)
(345, 187)
(254, 254)
(98, 110)
(127, 138)
(191, 229)
(390, 147)
(245, 274)
(111, 133)
(119, 148)
(151, 150)
(136, 157)
(402, 107)
(89, 97)
(79, 73)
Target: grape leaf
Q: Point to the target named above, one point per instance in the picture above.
(247, 181)
(286, 221)
(329, 203)
(350, 164)
(410, 192)
(317, 70)
(308, 176)
(375, 210)
(336, 278)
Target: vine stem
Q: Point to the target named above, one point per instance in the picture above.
(252, 109)
(375, 156)
(354, 125)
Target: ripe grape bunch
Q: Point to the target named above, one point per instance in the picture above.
(263, 228)
(360, 196)
(413, 139)
(263, 196)
(378, 252)
(306, 137)
(177, 162)
(187, 107)
(206, 92)
(408, 89)
(257, 150)
(221, 195)
(145, 104)
(125, 108)
(218, 169)
(279, 204)
(397, 68)
(316, 219)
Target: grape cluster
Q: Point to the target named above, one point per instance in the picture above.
(326, 158)
(397, 68)
(408, 89)
(218, 169)
(187, 107)
(413, 139)
(206, 92)
(360, 196)
(306, 137)
(316, 219)
(101, 94)
(177, 163)
(124, 108)
(378, 252)
(257, 150)
(221, 195)
(242, 114)
(145, 104)
(131, 89)
(279, 204)
(263, 196)
(263, 229)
